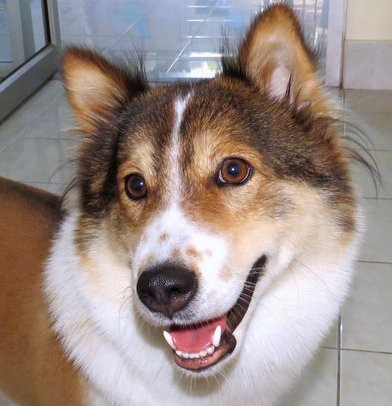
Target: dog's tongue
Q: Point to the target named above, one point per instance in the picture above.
(193, 339)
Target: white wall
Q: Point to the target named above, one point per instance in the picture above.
(369, 20)
(367, 62)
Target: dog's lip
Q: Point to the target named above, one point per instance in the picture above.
(232, 319)
(238, 311)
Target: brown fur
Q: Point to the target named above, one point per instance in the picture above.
(226, 115)
(33, 368)
(101, 90)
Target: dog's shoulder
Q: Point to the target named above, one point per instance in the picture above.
(29, 219)
(25, 197)
(33, 368)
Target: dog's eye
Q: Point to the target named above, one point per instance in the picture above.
(135, 186)
(233, 171)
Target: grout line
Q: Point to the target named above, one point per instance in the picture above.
(339, 372)
(367, 351)
(375, 149)
(376, 198)
(327, 347)
(45, 183)
(20, 135)
(375, 262)
(51, 138)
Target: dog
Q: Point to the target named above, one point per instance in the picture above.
(210, 246)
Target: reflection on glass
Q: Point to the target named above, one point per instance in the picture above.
(22, 33)
(179, 38)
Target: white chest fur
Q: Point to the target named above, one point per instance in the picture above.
(128, 364)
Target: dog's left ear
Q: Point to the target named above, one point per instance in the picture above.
(274, 57)
(96, 88)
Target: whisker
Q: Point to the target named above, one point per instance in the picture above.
(308, 269)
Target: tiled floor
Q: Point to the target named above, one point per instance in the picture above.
(354, 367)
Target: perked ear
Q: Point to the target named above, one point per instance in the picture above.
(274, 56)
(97, 89)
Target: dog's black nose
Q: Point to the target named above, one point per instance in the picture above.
(166, 288)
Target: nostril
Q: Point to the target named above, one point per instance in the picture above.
(166, 288)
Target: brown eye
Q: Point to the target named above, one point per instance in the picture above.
(233, 171)
(135, 186)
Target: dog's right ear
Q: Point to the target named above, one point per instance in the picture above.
(96, 88)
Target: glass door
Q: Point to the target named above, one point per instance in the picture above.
(181, 39)
(29, 40)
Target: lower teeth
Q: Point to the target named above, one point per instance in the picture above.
(201, 354)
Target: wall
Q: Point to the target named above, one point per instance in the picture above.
(368, 45)
(369, 20)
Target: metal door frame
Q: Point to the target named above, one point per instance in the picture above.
(335, 46)
(21, 83)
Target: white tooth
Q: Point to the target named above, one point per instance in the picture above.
(217, 336)
(203, 354)
(192, 355)
(210, 350)
(169, 339)
(185, 355)
(179, 353)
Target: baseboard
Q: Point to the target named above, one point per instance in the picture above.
(367, 65)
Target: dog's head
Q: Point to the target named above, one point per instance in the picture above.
(198, 197)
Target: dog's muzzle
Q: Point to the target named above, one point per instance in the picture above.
(167, 289)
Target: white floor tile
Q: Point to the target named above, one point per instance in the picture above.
(375, 127)
(17, 125)
(331, 339)
(377, 244)
(46, 94)
(366, 182)
(366, 317)
(55, 122)
(369, 101)
(38, 160)
(366, 379)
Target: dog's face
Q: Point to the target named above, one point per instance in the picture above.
(197, 197)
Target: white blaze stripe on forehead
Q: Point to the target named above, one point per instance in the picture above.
(182, 234)
(174, 152)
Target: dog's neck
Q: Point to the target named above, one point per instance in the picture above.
(124, 361)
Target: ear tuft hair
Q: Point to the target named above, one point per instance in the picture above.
(96, 88)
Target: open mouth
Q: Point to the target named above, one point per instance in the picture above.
(197, 347)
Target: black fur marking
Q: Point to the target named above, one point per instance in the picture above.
(230, 63)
